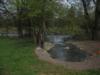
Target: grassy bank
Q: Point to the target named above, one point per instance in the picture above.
(17, 57)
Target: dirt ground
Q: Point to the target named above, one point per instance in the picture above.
(89, 46)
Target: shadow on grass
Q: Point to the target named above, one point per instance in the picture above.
(94, 72)
(3, 71)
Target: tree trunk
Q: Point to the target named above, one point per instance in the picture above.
(87, 17)
(90, 27)
(96, 28)
(94, 1)
(85, 10)
(29, 28)
(19, 29)
(7, 30)
(39, 39)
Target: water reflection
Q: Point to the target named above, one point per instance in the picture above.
(58, 39)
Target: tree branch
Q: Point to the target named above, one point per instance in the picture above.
(94, 1)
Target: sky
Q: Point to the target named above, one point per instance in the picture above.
(69, 2)
(65, 2)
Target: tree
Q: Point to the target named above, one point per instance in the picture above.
(33, 15)
(96, 28)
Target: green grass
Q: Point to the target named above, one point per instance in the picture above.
(17, 57)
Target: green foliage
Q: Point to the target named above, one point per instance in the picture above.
(67, 22)
(50, 16)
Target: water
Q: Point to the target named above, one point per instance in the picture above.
(68, 52)
(58, 39)
(58, 52)
(65, 52)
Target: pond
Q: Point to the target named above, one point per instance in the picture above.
(65, 52)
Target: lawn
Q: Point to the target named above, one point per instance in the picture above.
(17, 57)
